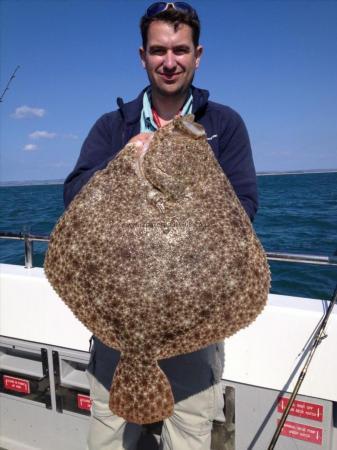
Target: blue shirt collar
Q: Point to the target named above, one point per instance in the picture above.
(147, 124)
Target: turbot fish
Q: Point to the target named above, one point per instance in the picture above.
(156, 256)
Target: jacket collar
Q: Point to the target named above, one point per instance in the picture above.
(131, 111)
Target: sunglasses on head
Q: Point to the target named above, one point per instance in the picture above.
(159, 7)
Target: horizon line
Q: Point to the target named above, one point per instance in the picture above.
(260, 173)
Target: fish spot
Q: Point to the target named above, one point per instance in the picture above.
(92, 268)
(168, 336)
(68, 277)
(206, 296)
(205, 314)
(123, 252)
(116, 322)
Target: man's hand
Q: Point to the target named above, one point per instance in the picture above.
(142, 142)
(143, 138)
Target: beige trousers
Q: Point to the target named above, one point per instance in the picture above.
(189, 428)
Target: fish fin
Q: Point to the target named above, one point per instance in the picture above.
(140, 392)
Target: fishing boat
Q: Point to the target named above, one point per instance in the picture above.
(44, 351)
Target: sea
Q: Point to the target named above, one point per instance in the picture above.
(297, 214)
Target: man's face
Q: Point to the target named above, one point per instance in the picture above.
(170, 58)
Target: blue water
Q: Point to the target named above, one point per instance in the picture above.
(297, 214)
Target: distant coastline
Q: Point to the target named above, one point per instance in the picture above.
(259, 174)
(30, 182)
(296, 172)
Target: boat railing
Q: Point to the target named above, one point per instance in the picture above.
(29, 238)
(28, 242)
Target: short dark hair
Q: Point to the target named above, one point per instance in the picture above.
(175, 17)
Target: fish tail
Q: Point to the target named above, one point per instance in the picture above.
(140, 392)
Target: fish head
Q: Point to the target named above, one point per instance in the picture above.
(177, 157)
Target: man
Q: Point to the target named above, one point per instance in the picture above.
(170, 54)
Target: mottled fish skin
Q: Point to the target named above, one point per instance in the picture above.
(157, 257)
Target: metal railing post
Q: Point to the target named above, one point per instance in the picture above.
(28, 252)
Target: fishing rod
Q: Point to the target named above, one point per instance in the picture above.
(319, 336)
(9, 82)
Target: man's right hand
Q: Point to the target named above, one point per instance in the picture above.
(143, 138)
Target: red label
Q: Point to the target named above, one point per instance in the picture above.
(16, 384)
(302, 409)
(83, 402)
(303, 432)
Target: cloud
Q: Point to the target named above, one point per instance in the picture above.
(26, 112)
(30, 147)
(42, 135)
(70, 136)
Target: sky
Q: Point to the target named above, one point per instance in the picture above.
(272, 61)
